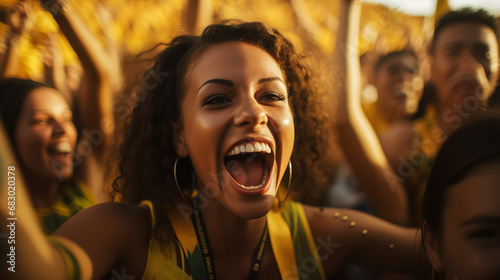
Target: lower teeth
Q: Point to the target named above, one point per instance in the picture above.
(264, 179)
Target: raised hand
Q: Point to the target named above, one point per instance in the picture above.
(20, 18)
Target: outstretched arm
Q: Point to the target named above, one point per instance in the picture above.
(95, 98)
(345, 235)
(357, 138)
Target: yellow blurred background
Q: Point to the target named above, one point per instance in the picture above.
(135, 26)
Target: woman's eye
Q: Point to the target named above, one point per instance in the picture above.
(217, 100)
(486, 234)
(40, 121)
(273, 96)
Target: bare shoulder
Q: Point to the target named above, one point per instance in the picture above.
(110, 216)
(111, 234)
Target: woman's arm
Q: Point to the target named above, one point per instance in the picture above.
(356, 136)
(199, 14)
(53, 64)
(344, 235)
(95, 98)
(304, 18)
(113, 50)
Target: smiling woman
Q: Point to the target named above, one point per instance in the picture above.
(249, 107)
(213, 105)
(63, 176)
(40, 127)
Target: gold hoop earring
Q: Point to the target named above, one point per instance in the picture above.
(175, 178)
(289, 183)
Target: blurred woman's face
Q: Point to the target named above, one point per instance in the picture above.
(46, 136)
(469, 247)
(237, 126)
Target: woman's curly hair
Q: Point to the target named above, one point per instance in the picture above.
(147, 154)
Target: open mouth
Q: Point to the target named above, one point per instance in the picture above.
(467, 86)
(61, 152)
(60, 148)
(250, 164)
(467, 83)
(400, 95)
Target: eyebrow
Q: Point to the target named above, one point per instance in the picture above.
(461, 44)
(218, 81)
(481, 220)
(230, 83)
(43, 111)
(403, 66)
(271, 79)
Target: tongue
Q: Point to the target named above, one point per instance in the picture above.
(246, 173)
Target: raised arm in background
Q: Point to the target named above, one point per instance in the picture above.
(19, 19)
(199, 14)
(94, 99)
(356, 136)
(53, 65)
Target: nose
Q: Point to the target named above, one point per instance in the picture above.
(58, 128)
(404, 73)
(403, 76)
(468, 61)
(250, 113)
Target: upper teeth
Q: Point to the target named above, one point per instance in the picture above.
(63, 147)
(250, 148)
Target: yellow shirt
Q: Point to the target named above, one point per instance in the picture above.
(290, 237)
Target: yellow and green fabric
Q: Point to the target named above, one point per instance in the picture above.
(290, 237)
(75, 196)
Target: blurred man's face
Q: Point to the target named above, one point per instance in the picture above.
(464, 64)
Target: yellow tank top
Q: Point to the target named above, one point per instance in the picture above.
(290, 237)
